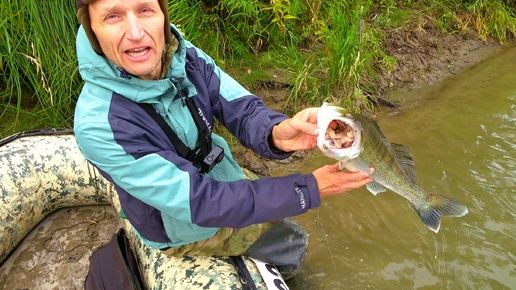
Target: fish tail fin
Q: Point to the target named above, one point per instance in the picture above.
(436, 206)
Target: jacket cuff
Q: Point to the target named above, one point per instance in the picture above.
(273, 147)
(313, 191)
(276, 153)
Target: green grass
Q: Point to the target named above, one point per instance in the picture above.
(38, 75)
(324, 50)
(493, 18)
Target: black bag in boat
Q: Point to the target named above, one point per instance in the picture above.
(114, 266)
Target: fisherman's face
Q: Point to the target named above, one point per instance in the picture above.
(131, 34)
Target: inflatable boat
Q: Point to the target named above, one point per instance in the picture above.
(43, 171)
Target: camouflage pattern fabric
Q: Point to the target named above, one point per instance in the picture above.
(42, 173)
(227, 241)
(38, 175)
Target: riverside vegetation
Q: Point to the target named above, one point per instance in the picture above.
(313, 50)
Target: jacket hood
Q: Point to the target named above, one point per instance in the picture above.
(97, 70)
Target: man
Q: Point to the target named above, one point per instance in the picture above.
(129, 56)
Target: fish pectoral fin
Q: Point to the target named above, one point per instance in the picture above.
(342, 165)
(354, 165)
(375, 187)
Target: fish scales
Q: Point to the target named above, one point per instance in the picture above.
(387, 167)
(393, 164)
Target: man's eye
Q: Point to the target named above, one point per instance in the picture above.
(146, 10)
(111, 17)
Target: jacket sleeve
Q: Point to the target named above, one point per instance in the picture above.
(137, 163)
(245, 202)
(241, 112)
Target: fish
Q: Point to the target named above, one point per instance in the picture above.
(358, 143)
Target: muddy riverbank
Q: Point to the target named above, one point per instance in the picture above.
(425, 56)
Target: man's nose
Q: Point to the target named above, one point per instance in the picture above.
(134, 28)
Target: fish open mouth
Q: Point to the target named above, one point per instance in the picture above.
(340, 134)
(341, 137)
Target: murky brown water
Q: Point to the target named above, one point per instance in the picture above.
(463, 139)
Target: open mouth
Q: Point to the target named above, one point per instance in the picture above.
(341, 137)
(135, 53)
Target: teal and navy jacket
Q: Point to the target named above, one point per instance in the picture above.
(166, 199)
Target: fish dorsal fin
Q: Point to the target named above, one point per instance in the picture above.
(405, 159)
(377, 127)
(402, 153)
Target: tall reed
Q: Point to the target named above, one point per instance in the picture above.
(494, 18)
(344, 43)
(37, 49)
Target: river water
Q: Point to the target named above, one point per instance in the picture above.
(462, 135)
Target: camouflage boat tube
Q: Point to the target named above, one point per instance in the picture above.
(43, 171)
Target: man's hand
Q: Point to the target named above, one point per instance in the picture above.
(297, 133)
(332, 181)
